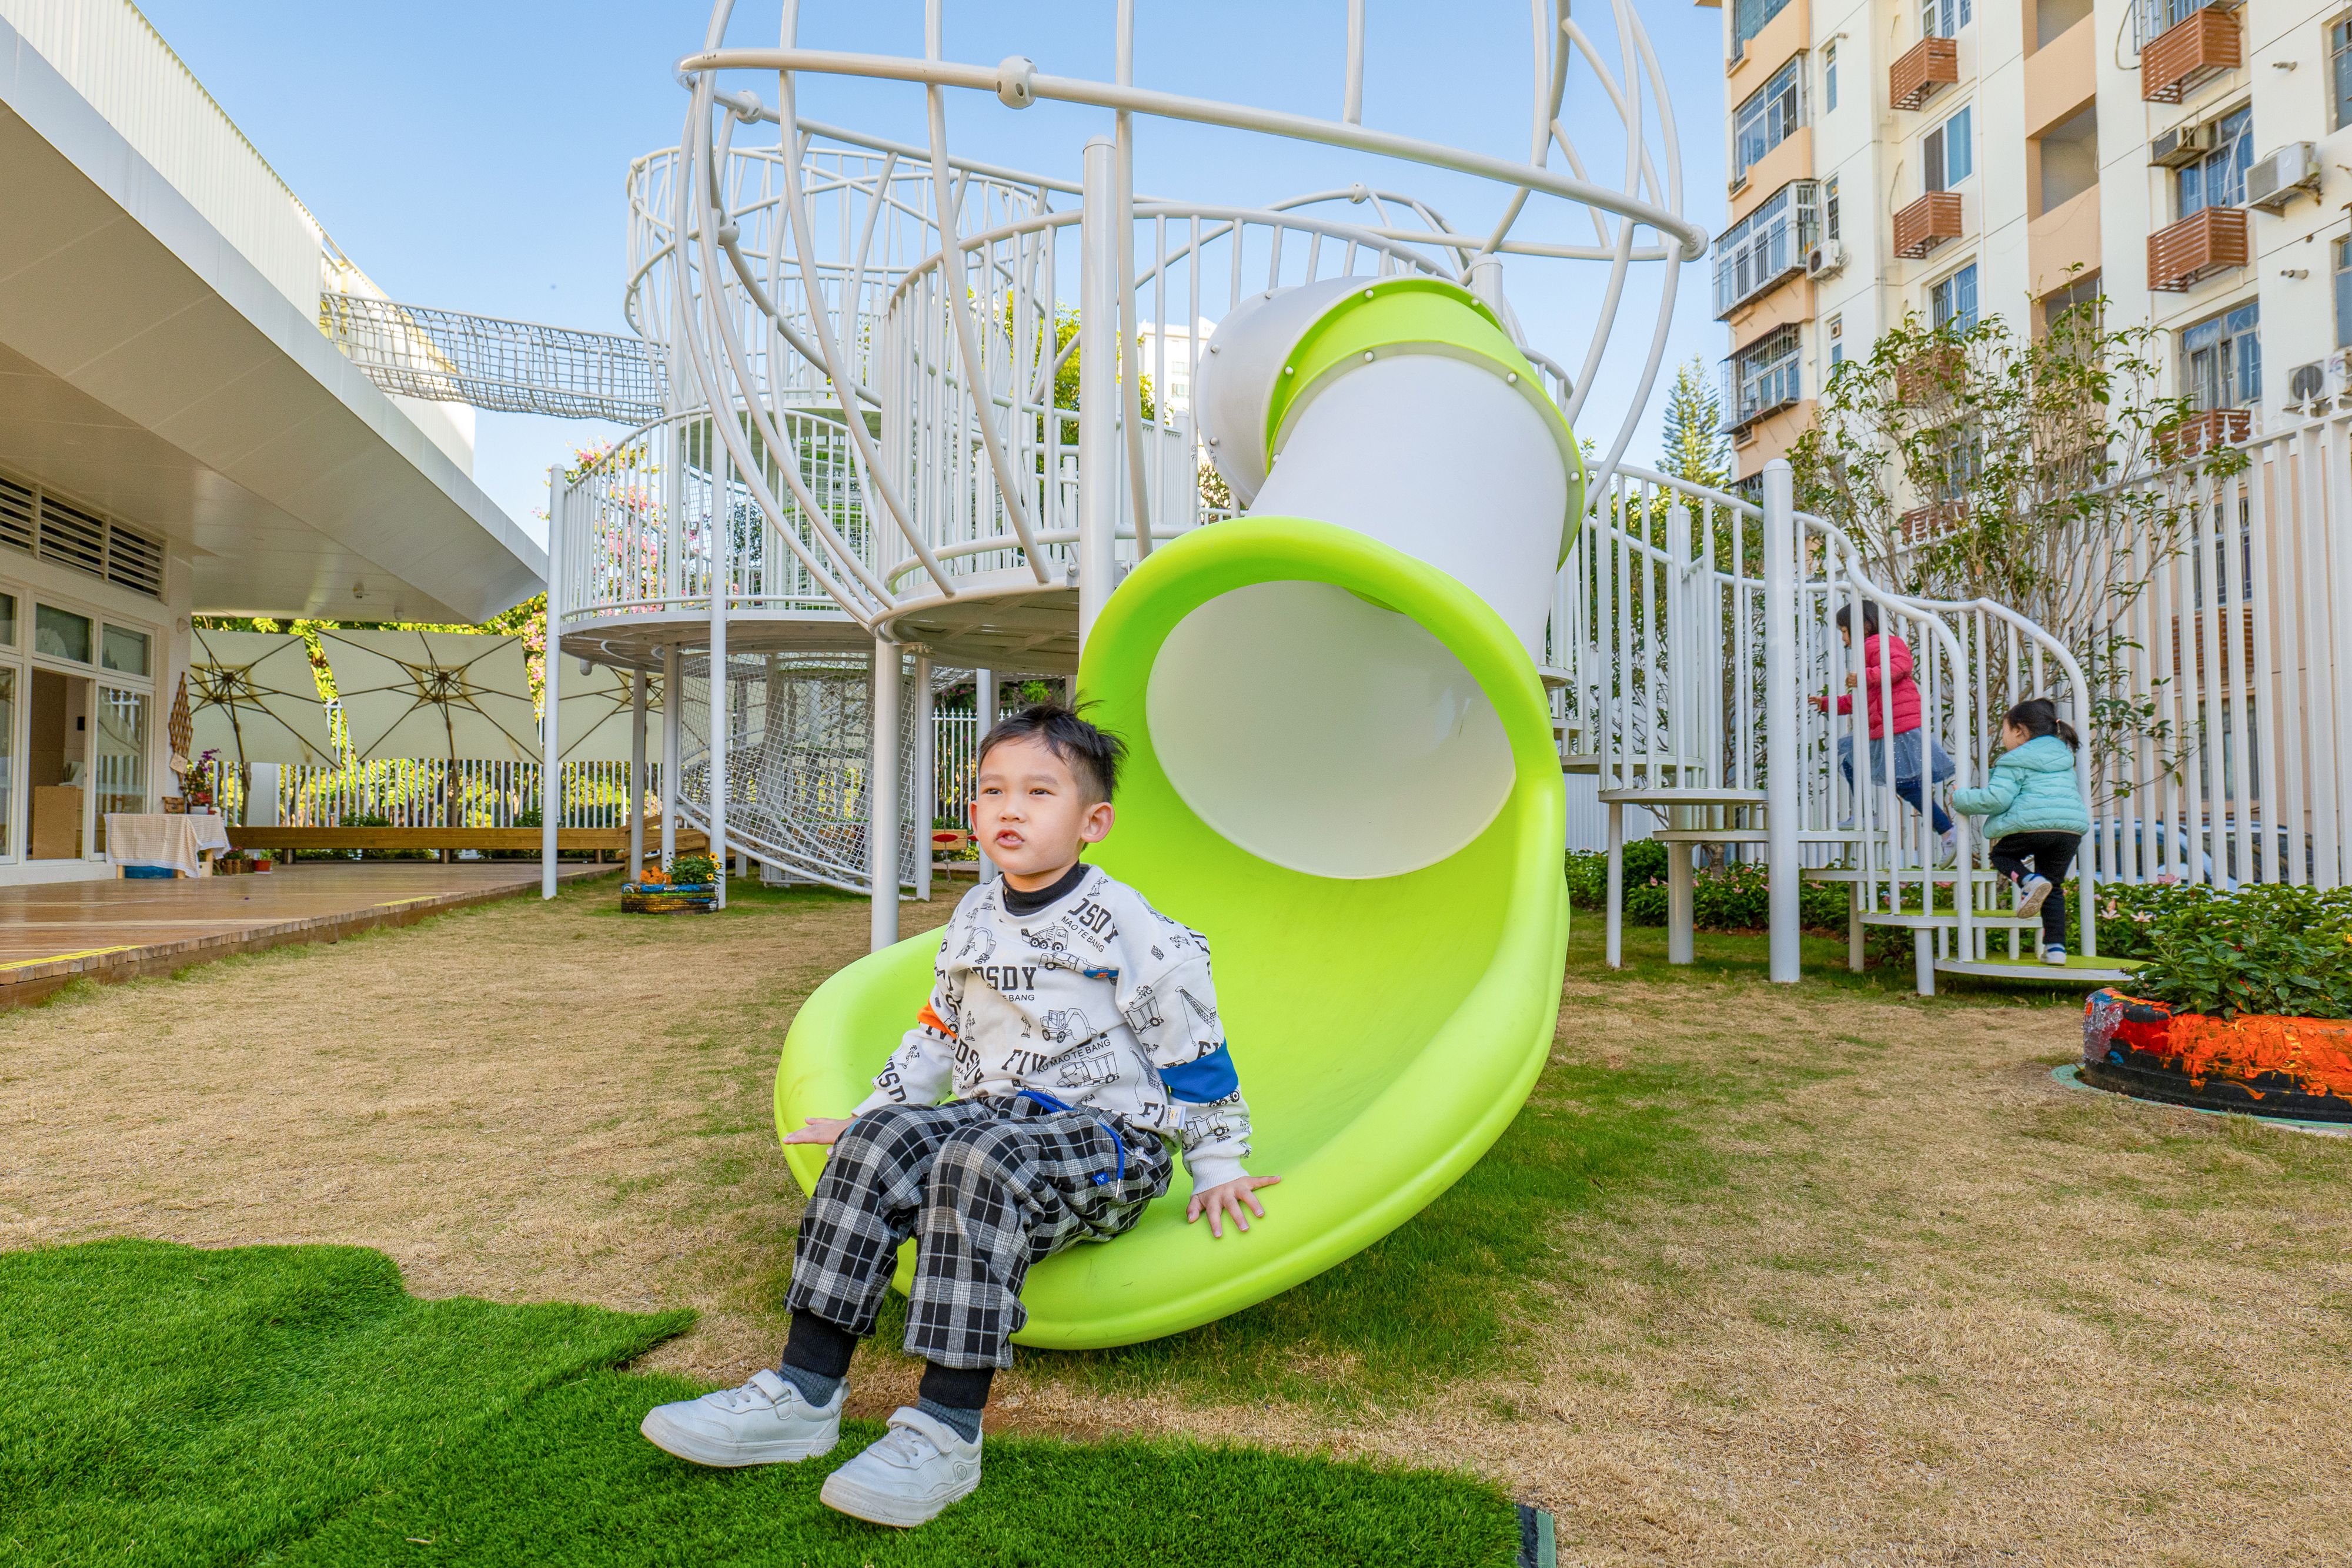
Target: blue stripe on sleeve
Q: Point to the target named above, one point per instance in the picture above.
(1205, 1080)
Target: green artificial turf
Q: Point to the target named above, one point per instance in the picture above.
(160, 1405)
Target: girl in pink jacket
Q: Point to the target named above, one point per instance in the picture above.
(1915, 752)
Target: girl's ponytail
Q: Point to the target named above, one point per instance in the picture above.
(2038, 717)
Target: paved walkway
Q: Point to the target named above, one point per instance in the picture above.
(116, 930)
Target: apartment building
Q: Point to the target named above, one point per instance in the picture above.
(1950, 159)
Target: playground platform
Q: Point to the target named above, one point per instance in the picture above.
(54, 934)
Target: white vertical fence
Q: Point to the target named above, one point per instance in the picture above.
(407, 793)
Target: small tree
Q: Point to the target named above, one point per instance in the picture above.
(1696, 447)
(2044, 474)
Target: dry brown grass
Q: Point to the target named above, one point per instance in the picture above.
(1931, 1308)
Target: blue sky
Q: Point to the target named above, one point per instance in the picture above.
(473, 155)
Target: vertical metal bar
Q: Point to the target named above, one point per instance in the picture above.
(927, 777)
(1781, 717)
(882, 798)
(638, 681)
(722, 575)
(673, 724)
(2263, 684)
(984, 702)
(1099, 429)
(550, 726)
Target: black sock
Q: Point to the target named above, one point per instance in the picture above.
(816, 1357)
(955, 1395)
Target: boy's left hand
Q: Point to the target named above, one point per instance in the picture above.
(1228, 1198)
(820, 1130)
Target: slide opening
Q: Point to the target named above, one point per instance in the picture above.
(1324, 733)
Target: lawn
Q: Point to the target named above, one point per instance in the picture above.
(1761, 1275)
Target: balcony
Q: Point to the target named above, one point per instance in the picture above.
(1927, 222)
(1765, 248)
(1921, 524)
(1930, 67)
(1932, 370)
(2207, 431)
(2186, 253)
(2199, 45)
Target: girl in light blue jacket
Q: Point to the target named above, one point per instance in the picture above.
(2036, 802)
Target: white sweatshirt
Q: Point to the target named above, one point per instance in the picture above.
(1096, 1001)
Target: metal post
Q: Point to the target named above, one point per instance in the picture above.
(1099, 429)
(882, 798)
(1786, 791)
(638, 681)
(551, 739)
(1681, 890)
(673, 723)
(927, 778)
(984, 707)
(722, 573)
(1614, 932)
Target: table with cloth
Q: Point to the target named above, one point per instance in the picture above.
(156, 838)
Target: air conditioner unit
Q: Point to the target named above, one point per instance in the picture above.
(2282, 176)
(2306, 385)
(1824, 259)
(2182, 145)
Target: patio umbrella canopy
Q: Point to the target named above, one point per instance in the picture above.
(594, 708)
(256, 699)
(433, 693)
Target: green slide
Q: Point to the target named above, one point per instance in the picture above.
(1386, 1029)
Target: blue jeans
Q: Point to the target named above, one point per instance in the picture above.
(1907, 759)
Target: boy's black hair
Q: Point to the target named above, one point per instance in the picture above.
(1093, 755)
(2038, 717)
(1869, 617)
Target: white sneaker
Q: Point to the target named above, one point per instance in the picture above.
(1948, 848)
(2054, 957)
(767, 1421)
(2031, 893)
(907, 1476)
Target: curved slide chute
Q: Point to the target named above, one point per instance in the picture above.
(1342, 770)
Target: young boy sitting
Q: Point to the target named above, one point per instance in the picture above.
(1076, 1027)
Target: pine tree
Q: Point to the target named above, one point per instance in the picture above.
(1695, 449)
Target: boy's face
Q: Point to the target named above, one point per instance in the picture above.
(1031, 815)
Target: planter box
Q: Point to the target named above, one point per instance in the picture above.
(2257, 1064)
(669, 898)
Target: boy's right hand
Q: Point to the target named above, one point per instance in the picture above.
(820, 1130)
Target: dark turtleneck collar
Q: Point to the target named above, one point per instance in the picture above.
(1019, 903)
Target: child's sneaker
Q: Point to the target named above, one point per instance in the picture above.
(767, 1421)
(906, 1477)
(2054, 957)
(2030, 895)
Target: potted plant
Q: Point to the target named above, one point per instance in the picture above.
(691, 887)
(228, 862)
(196, 783)
(2243, 1004)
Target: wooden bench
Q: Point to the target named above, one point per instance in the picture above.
(526, 841)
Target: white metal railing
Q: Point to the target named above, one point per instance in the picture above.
(414, 793)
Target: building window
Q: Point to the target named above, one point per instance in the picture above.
(1830, 208)
(1748, 19)
(2157, 17)
(1835, 328)
(1952, 302)
(60, 633)
(1769, 117)
(1948, 153)
(2222, 359)
(1765, 246)
(1943, 18)
(2344, 293)
(1829, 77)
(2219, 179)
(2339, 72)
(1761, 378)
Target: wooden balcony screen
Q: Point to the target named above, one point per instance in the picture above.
(2201, 45)
(1921, 524)
(2201, 433)
(2185, 253)
(1925, 69)
(1927, 222)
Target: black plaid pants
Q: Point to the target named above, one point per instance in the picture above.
(986, 1187)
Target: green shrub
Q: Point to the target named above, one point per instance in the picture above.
(1734, 897)
(2262, 949)
(2129, 912)
(694, 871)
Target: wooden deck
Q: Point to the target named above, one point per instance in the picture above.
(119, 930)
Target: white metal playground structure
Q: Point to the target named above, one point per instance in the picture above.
(872, 465)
